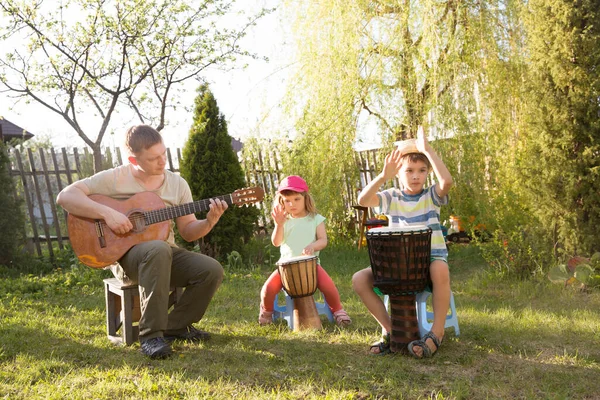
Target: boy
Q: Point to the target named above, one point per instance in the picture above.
(412, 205)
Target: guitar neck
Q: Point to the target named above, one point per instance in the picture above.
(167, 213)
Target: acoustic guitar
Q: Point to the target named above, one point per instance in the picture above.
(97, 246)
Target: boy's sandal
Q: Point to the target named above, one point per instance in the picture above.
(422, 343)
(341, 318)
(382, 347)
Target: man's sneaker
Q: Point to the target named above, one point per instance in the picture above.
(156, 348)
(190, 335)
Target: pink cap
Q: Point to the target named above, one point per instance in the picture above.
(294, 183)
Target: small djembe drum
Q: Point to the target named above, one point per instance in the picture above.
(400, 259)
(299, 279)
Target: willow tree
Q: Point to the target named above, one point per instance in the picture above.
(323, 97)
(484, 113)
(392, 65)
(89, 60)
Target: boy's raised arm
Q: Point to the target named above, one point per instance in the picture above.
(368, 196)
(439, 168)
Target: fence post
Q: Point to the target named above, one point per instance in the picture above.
(40, 202)
(51, 201)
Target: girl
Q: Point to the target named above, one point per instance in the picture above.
(299, 230)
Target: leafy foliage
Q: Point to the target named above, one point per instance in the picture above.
(212, 168)
(580, 272)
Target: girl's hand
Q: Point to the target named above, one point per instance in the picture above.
(392, 164)
(421, 142)
(308, 251)
(278, 215)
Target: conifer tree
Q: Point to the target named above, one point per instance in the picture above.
(564, 129)
(212, 168)
(11, 217)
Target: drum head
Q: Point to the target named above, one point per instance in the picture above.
(387, 229)
(292, 260)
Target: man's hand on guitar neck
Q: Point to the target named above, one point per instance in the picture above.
(192, 229)
(216, 208)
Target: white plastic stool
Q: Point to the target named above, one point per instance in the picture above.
(425, 317)
(287, 312)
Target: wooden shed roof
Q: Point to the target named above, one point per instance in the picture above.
(11, 131)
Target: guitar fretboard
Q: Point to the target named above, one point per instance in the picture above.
(167, 213)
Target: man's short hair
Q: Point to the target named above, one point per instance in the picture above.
(141, 137)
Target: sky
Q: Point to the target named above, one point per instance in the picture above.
(249, 98)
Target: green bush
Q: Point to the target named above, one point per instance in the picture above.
(517, 253)
(11, 216)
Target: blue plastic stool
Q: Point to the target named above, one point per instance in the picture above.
(287, 312)
(425, 317)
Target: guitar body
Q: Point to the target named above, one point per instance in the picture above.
(98, 253)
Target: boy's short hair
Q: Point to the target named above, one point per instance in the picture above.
(141, 137)
(414, 157)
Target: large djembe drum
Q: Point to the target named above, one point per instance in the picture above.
(400, 259)
(299, 279)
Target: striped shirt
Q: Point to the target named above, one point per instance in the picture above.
(420, 209)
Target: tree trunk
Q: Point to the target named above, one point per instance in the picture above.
(97, 153)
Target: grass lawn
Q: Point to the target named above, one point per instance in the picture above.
(518, 340)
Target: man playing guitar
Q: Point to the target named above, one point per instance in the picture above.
(154, 265)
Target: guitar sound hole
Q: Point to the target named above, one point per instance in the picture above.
(137, 220)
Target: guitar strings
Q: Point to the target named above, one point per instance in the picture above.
(173, 212)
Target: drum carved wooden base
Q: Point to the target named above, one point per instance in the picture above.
(405, 325)
(306, 315)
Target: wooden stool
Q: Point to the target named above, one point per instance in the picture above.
(363, 220)
(123, 310)
(366, 224)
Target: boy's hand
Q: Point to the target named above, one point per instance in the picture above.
(392, 164)
(278, 215)
(421, 142)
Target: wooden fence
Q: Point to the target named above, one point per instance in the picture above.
(40, 175)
